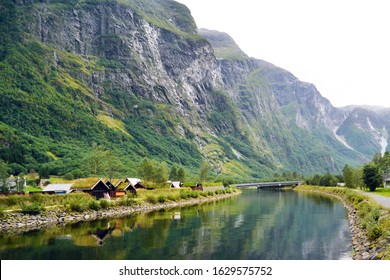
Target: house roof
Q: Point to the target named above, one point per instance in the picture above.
(386, 177)
(123, 185)
(57, 188)
(114, 182)
(133, 181)
(87, 183)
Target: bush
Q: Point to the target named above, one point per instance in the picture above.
(127, 201)
(77, 207)
(104, 204)
(13, 200)
(94, 205)
(68, 176)
(161, 198)
(174, 197)
(373, 232)
(194, 194)
(34, 208)
(185, 194)
(151, 199)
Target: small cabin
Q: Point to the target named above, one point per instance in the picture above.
(135, 182)
(57, 189)
(176, 184)
(93, 186)
(124, 187)
(112, 185)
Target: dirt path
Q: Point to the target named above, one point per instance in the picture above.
(382, 200)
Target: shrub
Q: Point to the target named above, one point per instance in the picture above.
(373, 232)
(151, 199)
(210, 193)
(104, 204)
(78, 207)
(185, 194)
(194, 194)
(13, 200)
(94, 205)
(127, 201)
(161, 198)
(34, 208)
(2, 211)
(173, 197)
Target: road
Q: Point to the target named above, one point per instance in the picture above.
(382, 200)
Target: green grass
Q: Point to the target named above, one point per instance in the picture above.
(33, 189)
(383, 191)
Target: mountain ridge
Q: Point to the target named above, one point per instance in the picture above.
(139, 79)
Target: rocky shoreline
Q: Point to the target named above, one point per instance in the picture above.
(363, 249)
(16, 222)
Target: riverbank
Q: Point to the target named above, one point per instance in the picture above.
(369, 222)
(16, 222)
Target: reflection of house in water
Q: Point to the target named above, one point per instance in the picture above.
(176, 216)
(98, 236)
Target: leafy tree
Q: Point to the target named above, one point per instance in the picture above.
(203, 172)
(3, 175)
(348, 175)
(146, 169)
(44, 172)
(153, 171)
(181, 174)
(95, 160)
(112, 165)
(173, 174)
(385, 163)
(328, 180)
(371, 176)
(358, 178)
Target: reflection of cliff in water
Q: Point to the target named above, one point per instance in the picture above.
(254, 225)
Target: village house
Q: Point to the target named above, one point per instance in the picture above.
(176, 184)
(94, 186)
(386, 181)
(112, 184)
(57, 189)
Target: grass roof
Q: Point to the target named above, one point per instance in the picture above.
(85, 183)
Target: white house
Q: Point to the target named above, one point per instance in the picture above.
(57, 188)
(386, 181)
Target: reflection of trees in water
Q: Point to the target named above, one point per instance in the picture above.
(263, 225)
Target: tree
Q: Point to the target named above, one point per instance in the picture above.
(328, 180)
(95, 160)
(3, 176)
(181, 174)
(174, 173)
(203, 172)
(112, 165)
(348, 175)
(371, 176)
(146, 169)
(152, 171)
(358, 178)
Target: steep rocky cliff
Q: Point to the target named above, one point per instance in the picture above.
(137, 78)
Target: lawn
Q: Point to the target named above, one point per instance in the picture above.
(383, 191)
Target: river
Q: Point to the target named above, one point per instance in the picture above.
(268, 225)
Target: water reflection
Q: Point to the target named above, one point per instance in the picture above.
(263, 225)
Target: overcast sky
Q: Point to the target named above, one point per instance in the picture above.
(341, 46)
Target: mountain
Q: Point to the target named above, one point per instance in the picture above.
(138, 78)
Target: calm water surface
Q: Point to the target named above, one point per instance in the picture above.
(254, 225)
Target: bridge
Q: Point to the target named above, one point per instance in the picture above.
(271, 185)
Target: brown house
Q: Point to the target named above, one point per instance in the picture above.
(94, 186)
(112, 184)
